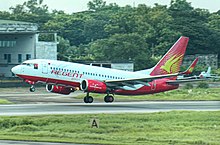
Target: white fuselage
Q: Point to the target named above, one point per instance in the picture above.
(57, 71)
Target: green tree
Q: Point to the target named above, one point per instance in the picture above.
(62, 49)
(4, 15)
(192, 23)
(159, 35)
(96, 5)
(31, 11)
(122, 47)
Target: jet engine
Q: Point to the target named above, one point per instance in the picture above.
(93, 86)
(59, 89)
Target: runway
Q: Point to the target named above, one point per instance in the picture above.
(122, 107)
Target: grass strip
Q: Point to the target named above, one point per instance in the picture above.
(4, 101)
(176, 127)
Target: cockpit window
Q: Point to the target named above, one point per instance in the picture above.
(30, 65)
(27, 64)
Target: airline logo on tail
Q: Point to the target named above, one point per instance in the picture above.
(171, 66)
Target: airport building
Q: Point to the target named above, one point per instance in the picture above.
(19, 41)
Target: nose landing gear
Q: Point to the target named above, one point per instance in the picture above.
(32, 88)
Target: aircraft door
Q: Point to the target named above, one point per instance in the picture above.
(44, 68)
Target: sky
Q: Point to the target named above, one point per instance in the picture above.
(70, 6)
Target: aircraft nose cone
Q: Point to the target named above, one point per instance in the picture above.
(15, 69)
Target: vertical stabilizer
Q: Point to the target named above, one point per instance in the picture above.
(209, 70)
(172, 60)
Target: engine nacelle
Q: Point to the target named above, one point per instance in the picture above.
(93, 86)
(58, 89)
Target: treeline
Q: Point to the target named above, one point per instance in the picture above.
(109, 32)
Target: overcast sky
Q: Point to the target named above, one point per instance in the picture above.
(70, 6)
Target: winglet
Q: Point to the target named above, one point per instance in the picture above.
(190, 68)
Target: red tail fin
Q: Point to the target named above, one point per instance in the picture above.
(172, 60)
(190, 68)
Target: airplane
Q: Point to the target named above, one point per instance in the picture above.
(191, 67)
(207, 74)
(66, 77)
(188, 71)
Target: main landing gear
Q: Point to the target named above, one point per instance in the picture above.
(32, 88)
(89, 99)
(108, 99)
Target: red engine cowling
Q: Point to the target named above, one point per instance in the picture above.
(93, 86)
(58, 89)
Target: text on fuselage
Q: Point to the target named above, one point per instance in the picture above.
(68, 74)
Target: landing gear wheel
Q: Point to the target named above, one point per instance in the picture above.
(88, 99)
(109, 99)
(32, 89)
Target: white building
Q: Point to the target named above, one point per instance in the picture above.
(19, 42)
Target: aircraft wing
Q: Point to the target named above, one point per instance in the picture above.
(134, 81)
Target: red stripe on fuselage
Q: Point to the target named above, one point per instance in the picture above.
(49, 80)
